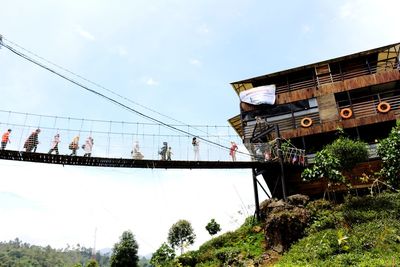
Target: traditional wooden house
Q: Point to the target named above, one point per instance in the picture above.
(359, 93)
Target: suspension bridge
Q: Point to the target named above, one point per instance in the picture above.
(152, 144)
(133, 144)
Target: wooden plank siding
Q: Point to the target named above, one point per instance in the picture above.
(327, 108)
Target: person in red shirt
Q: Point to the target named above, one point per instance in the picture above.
(232, 151)
(5, 139)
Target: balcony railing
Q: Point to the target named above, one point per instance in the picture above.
(268, 151)
(346, 72)
(368, 105)
(287, 121)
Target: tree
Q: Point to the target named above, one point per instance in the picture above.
(213, 227)
(342, 155)
(144, 262)
(163, 255)
(389, 151)
(92, 263)
(181, 234)
(125, 251)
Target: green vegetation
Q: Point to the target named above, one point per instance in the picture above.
(342, 155)
(364, 231)
(237, 248)
(163, 255)
(92, 263)
(389, 151)
(181, 235)
(18, 254)
(125, 251)
(213, 227)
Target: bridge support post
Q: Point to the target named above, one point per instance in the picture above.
(280, 155)
(257, 202)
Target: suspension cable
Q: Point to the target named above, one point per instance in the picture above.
(112, 100)
(96, 84)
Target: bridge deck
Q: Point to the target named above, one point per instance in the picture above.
(131, 163)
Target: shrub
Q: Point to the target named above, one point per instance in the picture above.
(237, 246)
(227, 255)
(388, 150)
(349, 152)
(342, 155)
(188, 259)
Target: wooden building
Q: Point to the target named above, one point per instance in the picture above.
(359, 93)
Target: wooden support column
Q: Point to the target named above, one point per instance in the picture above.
(278, 142)
(256, 199)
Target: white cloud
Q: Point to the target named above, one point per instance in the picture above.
(305, 29)
(152, 82)
(195, 62)
(346, 10)
(121, 50)
(203, 29)
(83, 33)
(374, 22)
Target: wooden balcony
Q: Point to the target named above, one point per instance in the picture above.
(368, 106)
(344, 73)
(285, 122)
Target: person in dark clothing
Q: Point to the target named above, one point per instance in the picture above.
(163, 151)
(32, 141)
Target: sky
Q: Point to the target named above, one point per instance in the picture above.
(177, 58)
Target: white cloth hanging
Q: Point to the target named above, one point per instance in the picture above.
(259, 95)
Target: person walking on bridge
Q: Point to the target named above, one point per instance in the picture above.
(88, 146)
(136, 154)
(5, 139)
(196, 148)
(32, 141)
(54, 144)
(163, 151)
(74, 145)
(169, 153)
(232, 151)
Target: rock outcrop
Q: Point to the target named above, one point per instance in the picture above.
(284, 221)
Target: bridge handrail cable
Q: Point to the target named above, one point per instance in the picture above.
(98, 85)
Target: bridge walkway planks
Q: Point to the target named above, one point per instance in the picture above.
(132, 163)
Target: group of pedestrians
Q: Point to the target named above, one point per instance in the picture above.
(32, 142)
(165, 152)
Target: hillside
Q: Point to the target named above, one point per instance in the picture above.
(362, 231)
(17, 253)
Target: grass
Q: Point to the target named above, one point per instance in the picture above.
(363, 231)
(229, 249)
